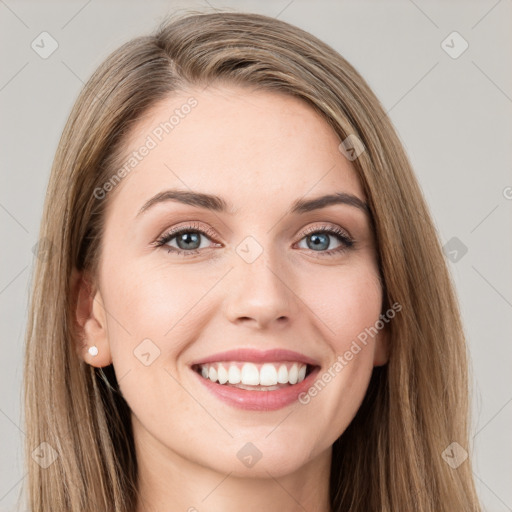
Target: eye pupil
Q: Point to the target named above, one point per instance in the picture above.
(318, 241)
(188, 238)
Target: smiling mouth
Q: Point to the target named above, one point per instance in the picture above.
(269, 376)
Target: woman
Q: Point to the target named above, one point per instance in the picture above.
(246, 303)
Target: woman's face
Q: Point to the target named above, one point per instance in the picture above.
(252, 272)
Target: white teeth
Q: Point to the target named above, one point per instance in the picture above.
(293, 374)
(282, 374)
(234, 375)
(222, 374)
(268, 375)
(249, 374)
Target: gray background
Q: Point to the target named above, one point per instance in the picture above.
(453, 116)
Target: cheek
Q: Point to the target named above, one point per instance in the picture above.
(348, 308)
(155, 313)
(149, 301)
(346, 304)
(149, 325)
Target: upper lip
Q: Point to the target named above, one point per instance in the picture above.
(257, 356)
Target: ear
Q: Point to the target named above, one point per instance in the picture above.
(90, 320)
(381, 354)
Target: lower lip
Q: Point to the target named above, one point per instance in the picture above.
(259, 400)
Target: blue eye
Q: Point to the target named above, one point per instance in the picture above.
(319, 239)
(188, 240)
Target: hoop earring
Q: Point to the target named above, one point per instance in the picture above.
(93, 350)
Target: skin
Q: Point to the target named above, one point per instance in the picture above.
(260, 151)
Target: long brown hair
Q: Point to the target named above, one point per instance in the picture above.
(390, 458)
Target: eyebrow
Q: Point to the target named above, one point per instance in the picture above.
(218, 204)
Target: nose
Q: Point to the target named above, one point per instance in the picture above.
(261, 293)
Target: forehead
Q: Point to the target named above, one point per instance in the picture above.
(250, 147)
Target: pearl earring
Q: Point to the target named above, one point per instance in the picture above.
(93, 350)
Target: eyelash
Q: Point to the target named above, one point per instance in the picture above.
(346, 241)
